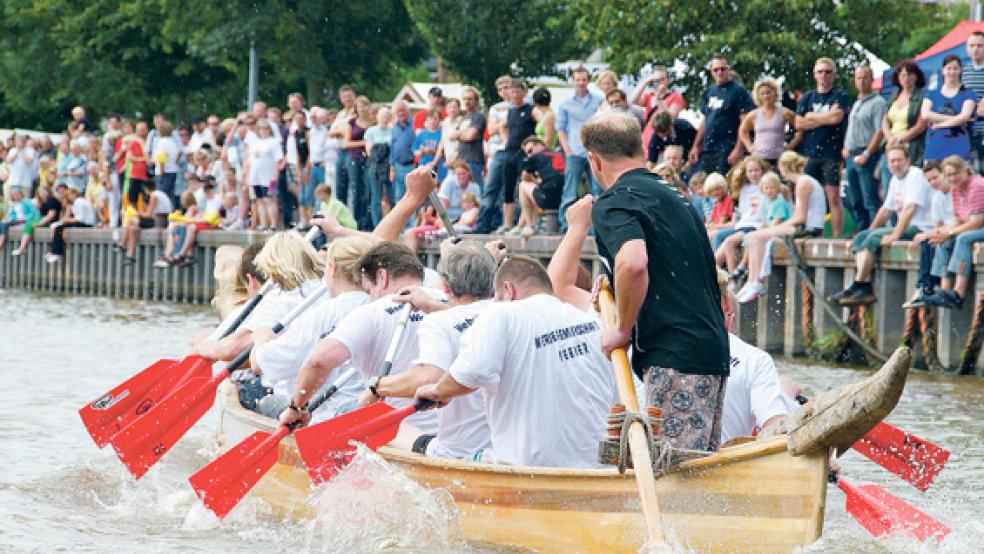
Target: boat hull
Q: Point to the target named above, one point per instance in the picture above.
(753, 497)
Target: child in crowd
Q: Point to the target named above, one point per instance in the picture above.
(670, 175)
(75, 167)
(427, 141)
(20, 211)
(942, 213)
(327, 203)
(777, 208)
(95, 191)
(716, 188)
(698, 198)
(232, 219)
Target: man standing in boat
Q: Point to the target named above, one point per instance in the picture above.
(667, 298)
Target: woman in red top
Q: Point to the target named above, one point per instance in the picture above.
(660, 99)
(134, 160)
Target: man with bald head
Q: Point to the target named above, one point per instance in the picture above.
(667, 298)
(401, 149)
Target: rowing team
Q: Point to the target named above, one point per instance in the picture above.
(510, 350)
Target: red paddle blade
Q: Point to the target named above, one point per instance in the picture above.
(111, 412)
(326, 447)
(916, 460)
(142, 443)
(881, 513)
(226, 480)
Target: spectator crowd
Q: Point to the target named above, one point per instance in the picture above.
(761, 164)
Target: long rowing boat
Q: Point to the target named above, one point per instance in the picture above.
(752, 497)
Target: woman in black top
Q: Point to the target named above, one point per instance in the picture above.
(296, 167)
(50, 209)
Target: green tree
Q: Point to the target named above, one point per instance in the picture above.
(481, 40)
(761, 37)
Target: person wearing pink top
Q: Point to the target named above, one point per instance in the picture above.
(953, 261)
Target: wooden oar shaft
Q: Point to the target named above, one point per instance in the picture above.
(638, 444)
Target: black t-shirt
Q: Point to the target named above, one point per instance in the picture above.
(51, 203)
(521, 124)
(680, 325)
(683, 135)
(722, 106)
(826, 141)
(471, 151)
(549, 166)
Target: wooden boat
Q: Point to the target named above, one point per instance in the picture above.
(752, 497)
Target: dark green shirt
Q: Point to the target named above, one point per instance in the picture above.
(680, 325)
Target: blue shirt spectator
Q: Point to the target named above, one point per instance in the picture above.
(572, 115)
(401, 144)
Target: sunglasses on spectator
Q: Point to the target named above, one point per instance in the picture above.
(719, 69)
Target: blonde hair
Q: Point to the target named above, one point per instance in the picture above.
(289, 260)
(607, 74)
(674, 177)
(766, 82)
(714, 181)
(738, 175)
(792, 162)
(958, 164)
(470, 197)
(344, 254)
(771, 177)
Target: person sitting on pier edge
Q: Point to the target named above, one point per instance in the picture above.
(910, 199)
(541, 183)
(538, 360)
(665, 280)
(78, 213)
(942, 211)
(953, 261)
(468, 271)
(363, 337)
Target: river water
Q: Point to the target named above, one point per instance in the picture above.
(59, 493)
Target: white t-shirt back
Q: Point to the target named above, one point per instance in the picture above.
(169, 147)
(367, 331)
(462, 428)
(912, 189)
(753, 395)
(278, 304)
(281, 359)
(263, 157)
(547, 385)
(83, 212)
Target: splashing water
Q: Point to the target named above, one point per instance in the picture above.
(372, 505)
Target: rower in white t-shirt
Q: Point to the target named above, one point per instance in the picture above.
(548, 387)
(364, 335)
(753, 399)
(468, 271)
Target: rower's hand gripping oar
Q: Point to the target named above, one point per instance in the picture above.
(439, 208)
(326, 447)
(142, 443)
(638, 443)
(227, 479)
(881, 513)
(914, 459)
(109, 413)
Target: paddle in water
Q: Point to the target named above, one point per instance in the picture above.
(113, 411)
(142, 443)
(881, 513)
(638, 442)
(326, 447)
(914, 459)
(227, 479)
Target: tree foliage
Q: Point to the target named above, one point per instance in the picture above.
(144, 56)
(481, 40)
(761, 37)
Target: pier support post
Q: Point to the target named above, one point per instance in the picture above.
(771, 312)
(891, 293)
(793, 306)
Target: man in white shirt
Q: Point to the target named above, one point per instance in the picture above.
(910, 199)
(468, 270)
(364, 335)
(548, 386)
(316, 146)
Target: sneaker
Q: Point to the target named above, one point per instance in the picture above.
(129, 261)
(527, 232)
(162, 263)
(952, 300)
(738, 274)
(514, 231)
(917, 301)
(17, 252)
(934, 298)
(52, 258)
(750, 292)
(501, 230)
(732, 287)
(838, 296)
(860, 295)
(187, 261)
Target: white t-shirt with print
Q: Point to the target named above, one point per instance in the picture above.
(751, 207)
(278, 304)
(462, 429)
(912, 189)
(281, 358)
(547, 385)
(367, 331)
(753, 395)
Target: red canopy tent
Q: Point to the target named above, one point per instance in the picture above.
(931, 60)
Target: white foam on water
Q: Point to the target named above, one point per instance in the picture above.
(372, 505)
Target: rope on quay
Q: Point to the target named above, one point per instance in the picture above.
(921, 320)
